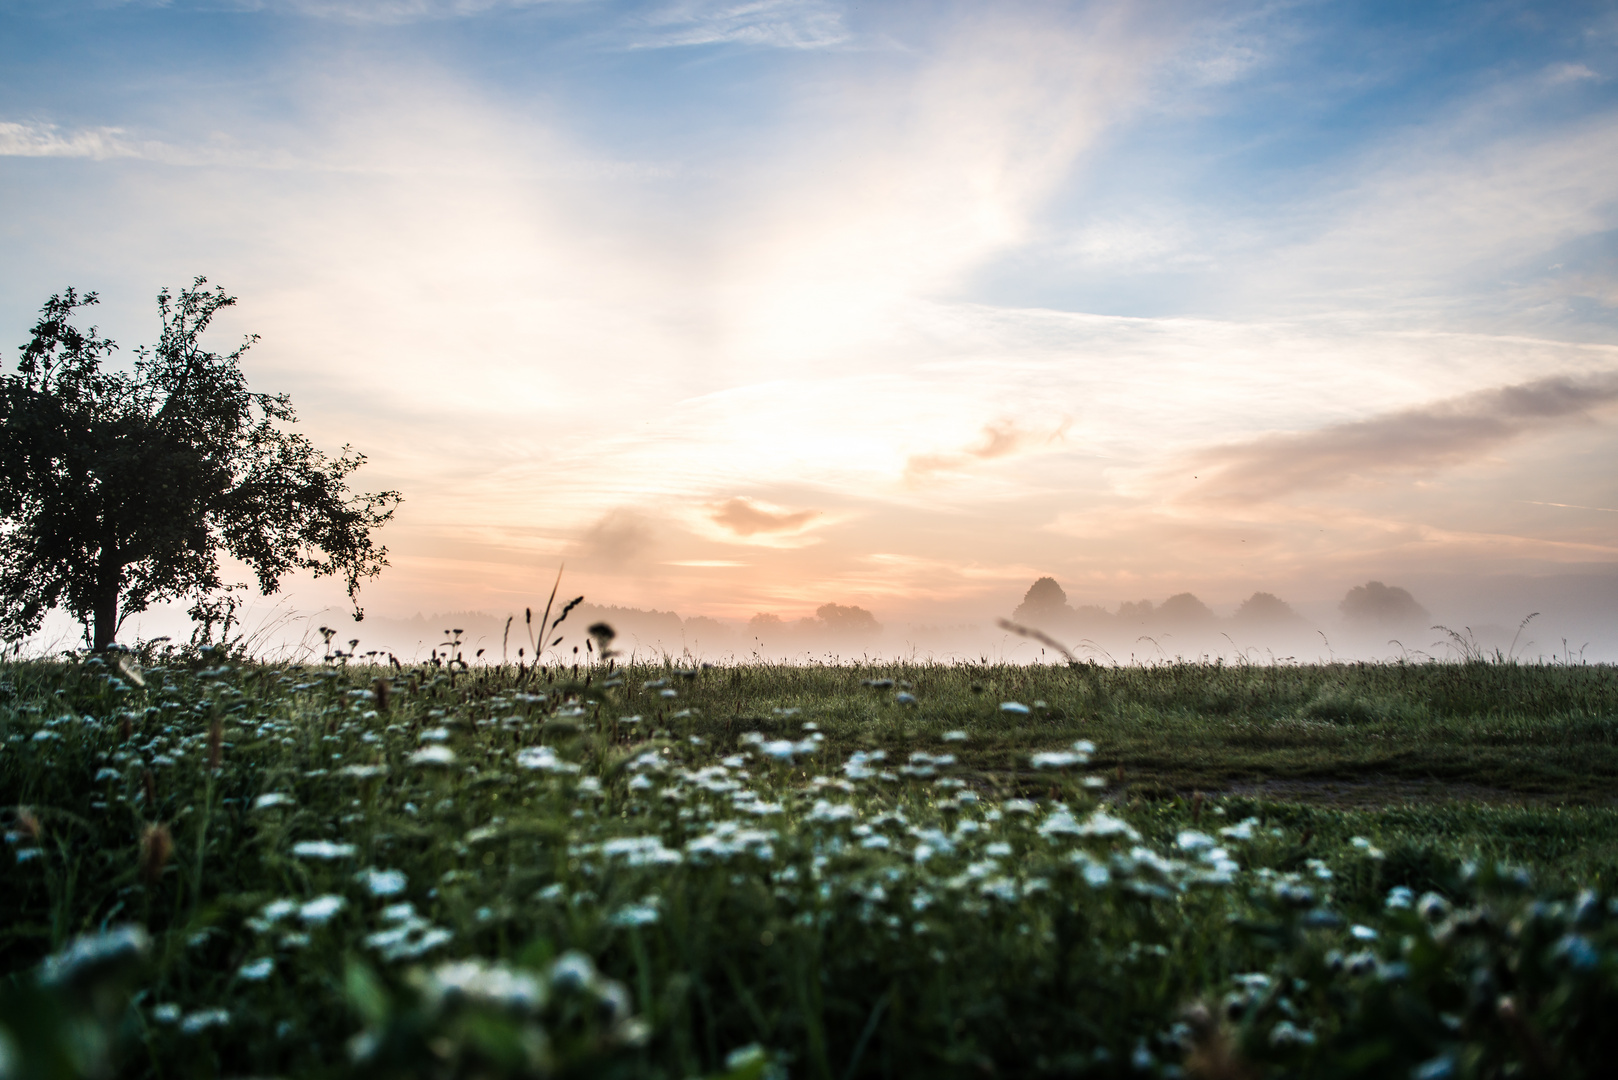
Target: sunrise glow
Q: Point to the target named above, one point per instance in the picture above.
(742, 308)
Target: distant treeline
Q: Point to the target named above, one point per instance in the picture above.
(1372, 606)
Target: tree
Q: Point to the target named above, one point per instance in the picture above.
(120, 489)
(849, 621)
(1044, 603)
(1377, 604)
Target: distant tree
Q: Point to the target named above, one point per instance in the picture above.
(764, 622)
(846, 621)
(1184, 609)
(120, 489)
(1266, 609)
(1045, 602)
(1139, 611)
(1376, 603)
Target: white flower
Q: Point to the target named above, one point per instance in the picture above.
(489, 984)
(319, 911)
(1015, 707)
(640, 851)
(1018, 806)
(1191, 840)
(203, 1019)
(1096, 874)
(1060, 823)
(382, 882)
(543, 759)
(90, 951)
(824, 810)
(786, 749)
(1058, 759)
(256, 970)
(271, 800)
(954, 736)
(1242, 830)
(322, 849)
(1100, 823)
(433, 755)
(634, 915)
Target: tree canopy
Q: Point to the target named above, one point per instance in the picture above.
(120, 489)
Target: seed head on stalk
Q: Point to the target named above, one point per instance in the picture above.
(156, 847)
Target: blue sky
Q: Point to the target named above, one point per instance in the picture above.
(942, 296)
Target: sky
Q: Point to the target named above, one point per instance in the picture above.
(755, 305)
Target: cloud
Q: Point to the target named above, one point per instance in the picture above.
(999, 439)
(1557, 74)
(745, 518)
(379, 11)
(619, 537)
(1423, 438)
(48, 140)
(781, 24)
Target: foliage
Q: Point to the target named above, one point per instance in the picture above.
(436, 871)
(119, 489)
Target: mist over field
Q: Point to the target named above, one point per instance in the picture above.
(1571, 622)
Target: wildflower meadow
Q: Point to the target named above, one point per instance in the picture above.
(221, 867)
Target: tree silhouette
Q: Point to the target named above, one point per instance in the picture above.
(846, 621)
(1044, 602)
(1378, 604)
(1266, 609)
(120, 489)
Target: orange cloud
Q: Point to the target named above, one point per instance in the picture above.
(744, 518)
(997, 440)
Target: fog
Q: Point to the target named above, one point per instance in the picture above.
(1561, 618)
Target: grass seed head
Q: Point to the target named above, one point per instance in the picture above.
(26, 825)
(156, 847)
(1213, 1054)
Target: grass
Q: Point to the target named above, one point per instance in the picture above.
(657, 871)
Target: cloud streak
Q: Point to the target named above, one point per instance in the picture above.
(780, 24)
(744, 518)
(48, 140)
(1409, 440)
(999, 439)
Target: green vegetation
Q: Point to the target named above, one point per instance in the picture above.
(219, 867)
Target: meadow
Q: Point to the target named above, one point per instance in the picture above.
(221, 867)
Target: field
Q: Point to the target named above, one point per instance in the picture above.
(220, 867)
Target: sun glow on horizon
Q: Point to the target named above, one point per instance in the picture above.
(752, 316)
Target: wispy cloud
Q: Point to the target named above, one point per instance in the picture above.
(781, 24)
(999, 439)
(26, 139)
(375, 11)
(746, 518)
(1418, 439)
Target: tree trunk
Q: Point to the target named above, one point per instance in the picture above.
(109, 581)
